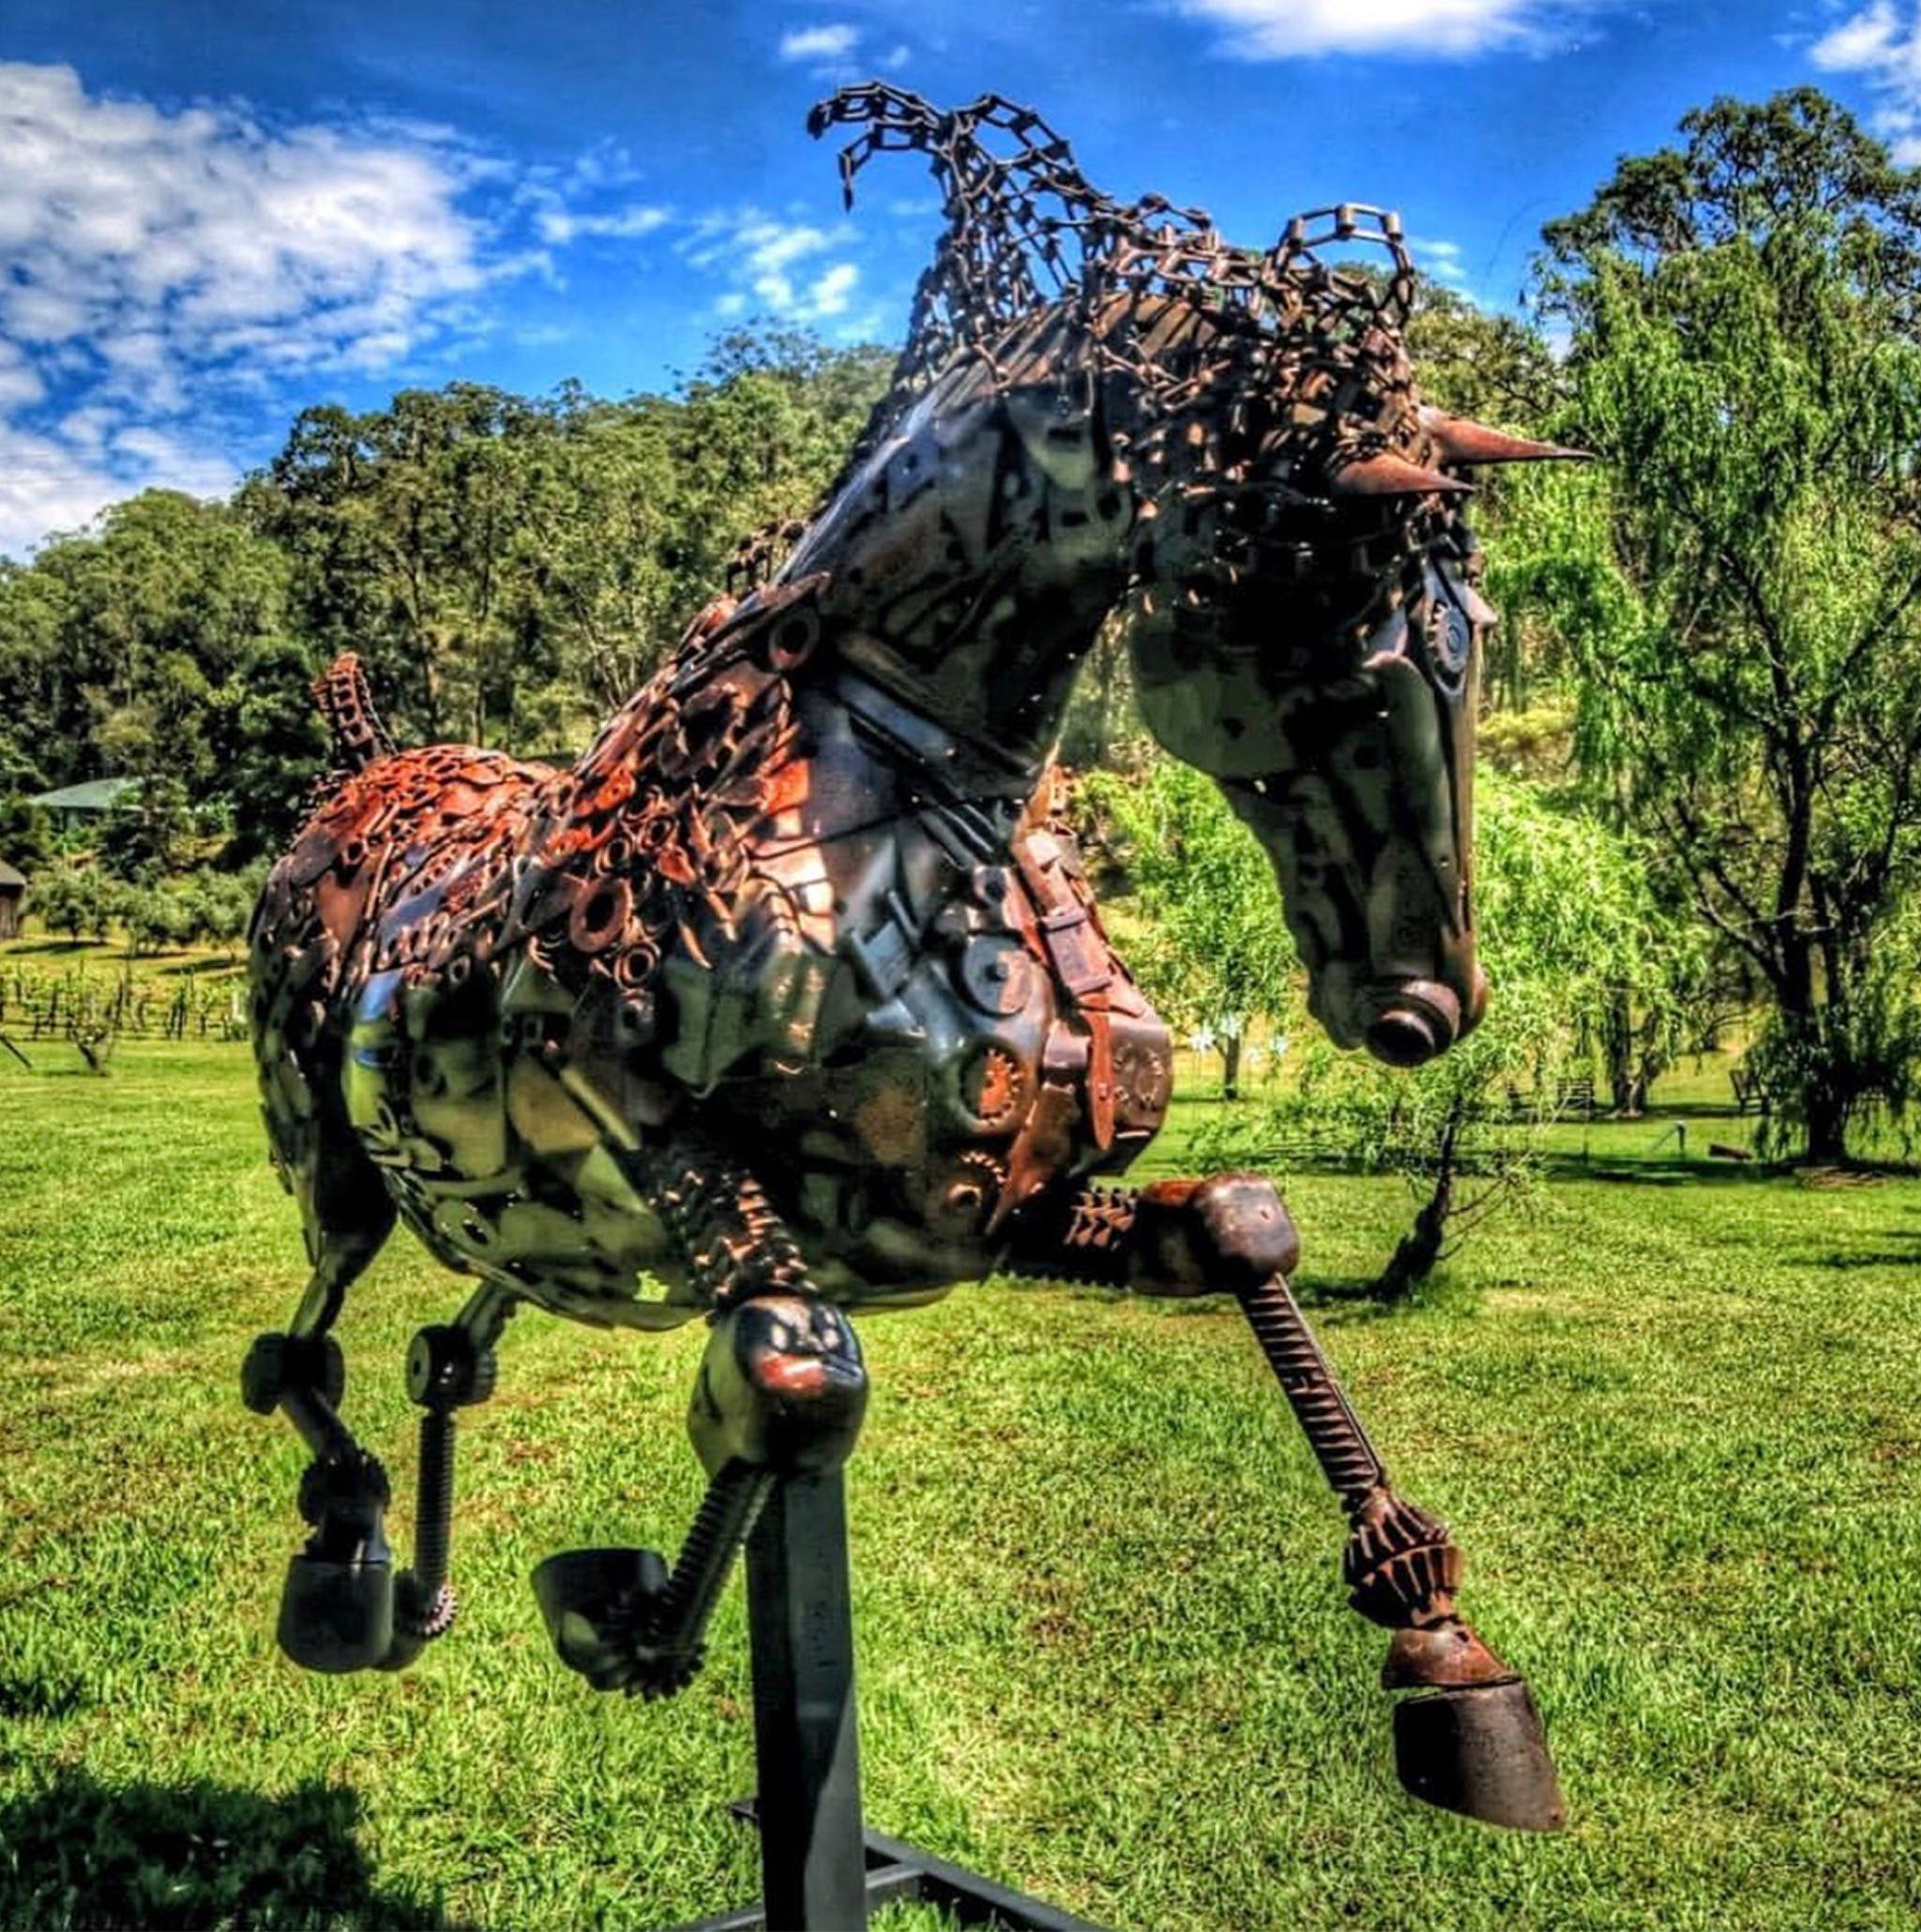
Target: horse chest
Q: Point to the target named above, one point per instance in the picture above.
(962, 1048)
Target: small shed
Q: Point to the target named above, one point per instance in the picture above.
(12, 895)
(76, 806)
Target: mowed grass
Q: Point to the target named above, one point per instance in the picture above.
(1104, 1651)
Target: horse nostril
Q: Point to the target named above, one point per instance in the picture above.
(1403, 1037)
(1412, 1021)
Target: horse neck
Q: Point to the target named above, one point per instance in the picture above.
(969, 562)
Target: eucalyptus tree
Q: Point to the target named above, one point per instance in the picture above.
(511, 568)
(1741, 584)
(139, 648)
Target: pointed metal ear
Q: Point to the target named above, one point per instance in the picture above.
(1465, 443)
(1388, 475)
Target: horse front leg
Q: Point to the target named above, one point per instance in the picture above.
(780, 1393)
(342, 1608)
(1469, 1737)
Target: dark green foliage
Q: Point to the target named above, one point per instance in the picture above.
(510, 569)
(1213, 952)
(138, 650)
(25, 837)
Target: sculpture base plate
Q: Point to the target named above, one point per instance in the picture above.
(903, 1872)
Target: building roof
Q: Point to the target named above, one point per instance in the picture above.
(10, 881)
(96, 794)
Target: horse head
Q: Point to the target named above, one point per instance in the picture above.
(1304, 622)
(1308, 631)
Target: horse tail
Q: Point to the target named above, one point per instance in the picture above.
(360, 739)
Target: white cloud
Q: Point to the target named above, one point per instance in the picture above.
(166, 263)
(201, 222)
(559, 226)
(1886, 47)
(829, 294)
(834, 42)
(52, 482)
(1441, 260)
(760, 256)
(171, 281)
(1283, 29)
(772, 246)
(20, 385)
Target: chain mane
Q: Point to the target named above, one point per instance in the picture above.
(1142, 291)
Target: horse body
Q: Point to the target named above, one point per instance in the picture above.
(779, 892)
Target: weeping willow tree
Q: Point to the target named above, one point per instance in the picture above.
(1213, 951)
(1740, 586)
(1568, 925)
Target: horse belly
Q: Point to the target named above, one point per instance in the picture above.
(493, 1164)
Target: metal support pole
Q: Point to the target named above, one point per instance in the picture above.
(800, 1620)
(820, 1870)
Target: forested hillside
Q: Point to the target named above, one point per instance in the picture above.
(509, 568)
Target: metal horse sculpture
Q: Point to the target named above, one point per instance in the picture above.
(791, 999)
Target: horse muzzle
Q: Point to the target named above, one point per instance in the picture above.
(1408, 1022)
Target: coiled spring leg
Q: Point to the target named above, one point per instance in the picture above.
(1471, 1739)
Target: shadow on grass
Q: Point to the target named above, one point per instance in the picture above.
(1891, 1256)
(79, 1853)
(29, 1697)
(1656, 1173)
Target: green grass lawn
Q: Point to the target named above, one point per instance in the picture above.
(1672, 1413)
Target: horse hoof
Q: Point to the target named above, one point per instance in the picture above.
(337, 1616)
(596, 1603)
(1480, 1749)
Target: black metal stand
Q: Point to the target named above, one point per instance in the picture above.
(819, 1869)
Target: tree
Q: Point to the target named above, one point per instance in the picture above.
(1742, 588)
(138, 649)
(156, 917)
(513, 568)
(217, 907)
(1567, 924)
(74, 899)
(1215, 953)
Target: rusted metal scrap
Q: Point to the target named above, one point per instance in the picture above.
(792, 997)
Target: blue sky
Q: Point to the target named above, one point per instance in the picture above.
(211, 216)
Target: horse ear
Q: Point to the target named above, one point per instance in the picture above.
(1460, 441)
(1387, 475)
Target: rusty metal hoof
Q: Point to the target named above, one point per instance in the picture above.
(602, 1609)
(1480, 1749)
